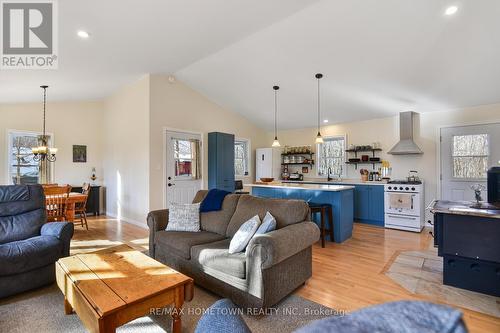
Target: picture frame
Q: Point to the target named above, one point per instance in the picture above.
(79, 154)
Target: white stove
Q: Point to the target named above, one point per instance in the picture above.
(404, 205)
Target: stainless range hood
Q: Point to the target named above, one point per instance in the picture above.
(405, 146)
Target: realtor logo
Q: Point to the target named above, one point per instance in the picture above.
(29, 34)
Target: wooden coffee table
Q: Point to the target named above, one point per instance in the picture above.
(111, 287)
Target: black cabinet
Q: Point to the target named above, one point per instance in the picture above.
(93, 202)
(470, 247)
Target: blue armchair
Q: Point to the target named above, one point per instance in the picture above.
(394, 317)
(29, 246)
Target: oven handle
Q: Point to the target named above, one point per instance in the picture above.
(401, 217)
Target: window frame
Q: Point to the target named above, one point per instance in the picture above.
(9, 133)
(452, 157)
(319, 157)
(248, 158)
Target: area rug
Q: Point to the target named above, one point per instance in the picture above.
(42, 311)
(421, 272)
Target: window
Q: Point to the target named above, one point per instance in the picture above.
(22, 168)
(241, 157)
(331, 154)
(186, 158)
(470, 156)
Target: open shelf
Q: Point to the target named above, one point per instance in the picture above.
(363, 150)
(303, 163)
(373, 163)
(292, 154)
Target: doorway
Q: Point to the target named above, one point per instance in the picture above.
(466, 154)
(183, 166)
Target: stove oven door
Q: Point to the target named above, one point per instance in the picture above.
(402, 203)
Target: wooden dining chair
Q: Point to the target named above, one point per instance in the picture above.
(56, 200)
(86, 188)
(81, 206)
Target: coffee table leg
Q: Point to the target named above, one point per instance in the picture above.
(176, 314)
(68, 309)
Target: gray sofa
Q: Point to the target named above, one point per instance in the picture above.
(273, 265)
(29, 247)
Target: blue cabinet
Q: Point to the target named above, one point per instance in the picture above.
(361, 202)
(369, 204)
(221, 161)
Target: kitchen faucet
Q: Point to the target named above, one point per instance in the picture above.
(329, 172)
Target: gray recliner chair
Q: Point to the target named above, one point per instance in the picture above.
(29, 246)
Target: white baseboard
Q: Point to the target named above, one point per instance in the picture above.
(129, 221)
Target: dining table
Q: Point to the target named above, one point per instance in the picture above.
(73, 198)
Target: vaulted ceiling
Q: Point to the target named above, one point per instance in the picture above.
(378, 57)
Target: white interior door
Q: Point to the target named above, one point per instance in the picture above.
(183, 166)
(467, 152)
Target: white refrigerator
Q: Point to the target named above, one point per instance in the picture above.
(268, 163)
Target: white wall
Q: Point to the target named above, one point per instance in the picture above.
(177, 106)
(71, 123)
(386, 131)
(126, 149)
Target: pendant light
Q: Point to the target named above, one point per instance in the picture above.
(319, 138)
(276, 143)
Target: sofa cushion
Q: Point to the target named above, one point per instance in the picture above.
(28, 254)
(184, 217)
(180, 242)
(217, 221)
(285, 211)
(22, 212)
(216, 256)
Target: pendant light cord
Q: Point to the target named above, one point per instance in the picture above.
(276, 111)
(318, 106)
(44, 104)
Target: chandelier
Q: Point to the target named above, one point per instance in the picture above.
(42, 152)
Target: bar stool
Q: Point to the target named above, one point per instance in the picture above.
(323, 209)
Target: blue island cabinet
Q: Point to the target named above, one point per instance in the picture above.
(221, 161)
(369, 204)
(341, 201)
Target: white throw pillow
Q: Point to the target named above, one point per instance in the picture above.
(184, 217)
(268, 224)
(242, 237)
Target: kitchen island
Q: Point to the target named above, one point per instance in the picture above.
(468, 239)
(341, 197)
(368, 198)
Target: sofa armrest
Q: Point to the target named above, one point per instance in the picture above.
(157, 220)
(62, 231)
(278, 245)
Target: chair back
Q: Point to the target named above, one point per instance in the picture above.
(56, 199)
(22, 212)
(86, 188)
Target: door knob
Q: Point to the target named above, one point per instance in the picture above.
(169, 178)
(170, 184)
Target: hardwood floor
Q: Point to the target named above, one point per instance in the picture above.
(346, 276)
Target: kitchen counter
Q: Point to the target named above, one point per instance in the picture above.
(304, 186)
(462, 208)
(336, 182)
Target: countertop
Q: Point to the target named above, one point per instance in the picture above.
(462, 208)
(312, 187)
(337, 182)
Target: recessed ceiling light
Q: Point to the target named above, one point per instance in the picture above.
(450, 10)
(83, 34)
(325, 121)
